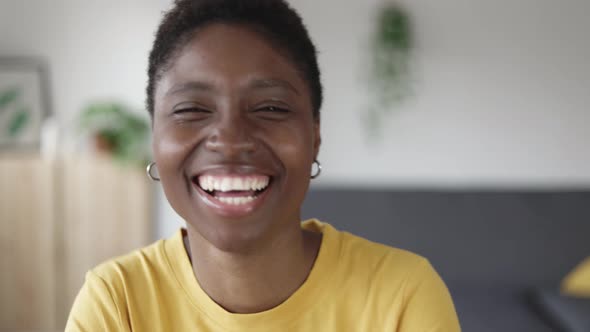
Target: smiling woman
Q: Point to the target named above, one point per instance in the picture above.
(231, 107)
(234, 94)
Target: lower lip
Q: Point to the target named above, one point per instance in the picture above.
(231, 210)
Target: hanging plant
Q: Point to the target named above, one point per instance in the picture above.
(389, 75)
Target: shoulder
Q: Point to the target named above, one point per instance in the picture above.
(130, 284)
(396, 281)
(373, 256)
(101, 303)
(370, 263)
(376, 265)
(133, 268)
(385, 264)
(366, 248)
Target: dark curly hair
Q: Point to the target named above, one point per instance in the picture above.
(275, 20)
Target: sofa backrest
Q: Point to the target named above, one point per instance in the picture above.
(511, 237)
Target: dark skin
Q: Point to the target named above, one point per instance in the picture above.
(232, 103)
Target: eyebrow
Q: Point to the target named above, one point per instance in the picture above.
(190, 86)
(267, 83)
(272, 83)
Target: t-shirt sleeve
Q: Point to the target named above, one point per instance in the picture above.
(95, 308)
(428, 304)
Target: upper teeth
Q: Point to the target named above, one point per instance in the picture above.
(233, 183)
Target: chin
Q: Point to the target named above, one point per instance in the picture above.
(234, 236)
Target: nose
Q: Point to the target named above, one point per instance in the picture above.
(231, 136)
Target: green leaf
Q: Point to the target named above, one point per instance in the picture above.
(126, 132)
(8, 96)
(394, 29)
(18, 122)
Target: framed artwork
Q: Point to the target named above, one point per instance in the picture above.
(24, 102)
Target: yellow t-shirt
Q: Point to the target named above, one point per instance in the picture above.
(354, 285)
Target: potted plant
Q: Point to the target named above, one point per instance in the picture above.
(116, 131)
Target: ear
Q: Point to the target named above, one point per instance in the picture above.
(317, 139)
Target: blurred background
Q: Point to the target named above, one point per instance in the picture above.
(455, 129)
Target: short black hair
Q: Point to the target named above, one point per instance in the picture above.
(280, 24)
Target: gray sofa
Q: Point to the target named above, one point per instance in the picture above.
(500, 252)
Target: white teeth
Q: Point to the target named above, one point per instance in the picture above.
(255, 185)
(236, 200)
(233, 183)
(246, 183)
(238, 183)
(225, 184)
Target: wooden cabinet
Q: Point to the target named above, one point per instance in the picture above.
(57, 220)
(28, 246)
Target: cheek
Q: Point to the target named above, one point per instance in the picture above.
(295, 152)
(294, 146)
(172, 148)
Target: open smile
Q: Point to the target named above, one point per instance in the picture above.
(232, 195)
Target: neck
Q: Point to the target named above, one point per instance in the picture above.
(258, 280)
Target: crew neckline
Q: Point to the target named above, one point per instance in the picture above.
(310, 293)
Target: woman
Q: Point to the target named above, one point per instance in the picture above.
(234, 94)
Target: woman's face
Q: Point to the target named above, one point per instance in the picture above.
(234, 137)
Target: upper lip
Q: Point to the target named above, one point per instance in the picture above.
(231, 169)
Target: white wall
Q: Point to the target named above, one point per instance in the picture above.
(95, 49)
(502, 93)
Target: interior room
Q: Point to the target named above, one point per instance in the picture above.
(457, 130)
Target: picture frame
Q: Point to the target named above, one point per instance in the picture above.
(24, 102)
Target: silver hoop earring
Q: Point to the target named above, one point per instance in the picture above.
(318, 169)
(148, 170)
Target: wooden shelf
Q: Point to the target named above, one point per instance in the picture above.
(58, 219)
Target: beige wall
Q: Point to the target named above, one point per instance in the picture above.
(501, 96)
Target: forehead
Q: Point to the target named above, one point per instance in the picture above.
(228, 55)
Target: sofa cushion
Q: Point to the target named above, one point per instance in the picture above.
(495, 308)
(566, 313)
(523, 238)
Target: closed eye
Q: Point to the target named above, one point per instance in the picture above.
(191, 110)
(191, 114)
(272, 113)
(273, 109)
